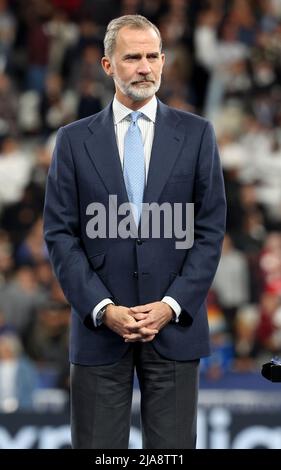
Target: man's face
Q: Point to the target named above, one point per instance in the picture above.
(136, 65)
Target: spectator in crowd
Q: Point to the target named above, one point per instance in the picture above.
(18, 376)
(231, 282)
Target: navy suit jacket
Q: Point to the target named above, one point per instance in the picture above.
(184, 168)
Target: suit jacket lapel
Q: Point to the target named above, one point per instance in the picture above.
(167, 143)
(103, 151)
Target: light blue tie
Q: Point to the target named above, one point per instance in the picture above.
(134, 171)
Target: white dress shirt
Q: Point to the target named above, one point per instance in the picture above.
(146, 124)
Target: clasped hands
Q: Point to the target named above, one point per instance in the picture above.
(140, 323)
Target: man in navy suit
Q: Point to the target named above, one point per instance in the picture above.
(138, 301)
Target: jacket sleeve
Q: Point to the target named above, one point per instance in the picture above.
(191, 286)
(82, 287)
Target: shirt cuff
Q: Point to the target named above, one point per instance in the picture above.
(174, 306)
(98, 307)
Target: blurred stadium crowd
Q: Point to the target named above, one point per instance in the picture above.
(223, 61)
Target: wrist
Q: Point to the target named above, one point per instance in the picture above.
(107, 309)
(100, 318)
(171, 312)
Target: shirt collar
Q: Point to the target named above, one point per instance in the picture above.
(120, 111)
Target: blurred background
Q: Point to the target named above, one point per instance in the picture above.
(223, 61)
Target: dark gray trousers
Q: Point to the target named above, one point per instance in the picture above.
(101, 398)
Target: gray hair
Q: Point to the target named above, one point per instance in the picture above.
(131, 21)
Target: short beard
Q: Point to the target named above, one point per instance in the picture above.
(137, 94)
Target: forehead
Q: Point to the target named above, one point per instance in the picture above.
(133, 40)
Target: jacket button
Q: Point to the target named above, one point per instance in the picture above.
(135, 274)
(139, 242)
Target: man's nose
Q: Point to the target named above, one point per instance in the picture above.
(144, 67)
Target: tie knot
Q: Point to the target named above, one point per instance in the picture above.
(134, 116)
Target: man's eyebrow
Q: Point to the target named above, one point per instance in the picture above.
(138, 55)
(132, 56)
(153, 54)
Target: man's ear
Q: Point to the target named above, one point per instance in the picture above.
(106, 65)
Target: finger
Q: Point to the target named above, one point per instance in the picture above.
(143, 334)
(132, 335)
(131, 338)
(142, 340)
(141, 308)
(136, 326)
(143, 330)
(137, 309)
(139, 316)
(146, 340)
(149, 331)
(140, 324)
